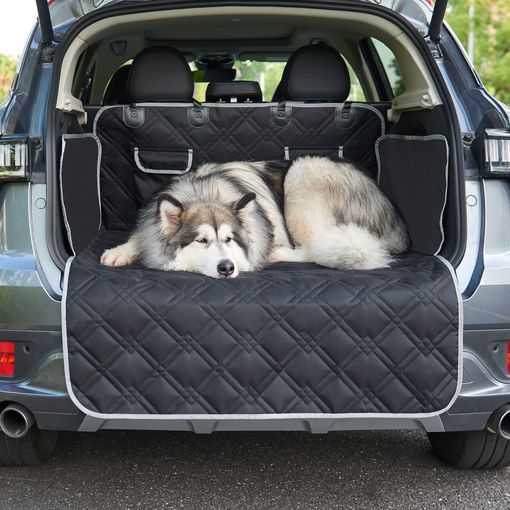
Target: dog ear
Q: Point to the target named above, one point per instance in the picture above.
(169, 211)
(243, 201)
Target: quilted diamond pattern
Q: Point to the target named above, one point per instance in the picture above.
(293, 338)
(231, 134)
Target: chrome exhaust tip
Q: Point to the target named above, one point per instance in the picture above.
(499, 422)
(15, 421)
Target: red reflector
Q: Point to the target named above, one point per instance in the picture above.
(508, 358)
(7, 359)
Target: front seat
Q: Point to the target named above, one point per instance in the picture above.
(315, 73)
(160, 74)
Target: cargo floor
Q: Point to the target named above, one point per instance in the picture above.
(291, 339)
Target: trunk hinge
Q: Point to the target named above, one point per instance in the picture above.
(434, 49)
(48, 52)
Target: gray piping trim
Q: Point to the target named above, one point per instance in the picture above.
(64, 211)
(420, 139)
(253, 417)
(156, 171)
(461, 328)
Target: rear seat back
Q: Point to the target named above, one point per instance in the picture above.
(166, 134)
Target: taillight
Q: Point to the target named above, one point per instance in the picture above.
(7, 359)
(508, 358)
(497, 152)
(13, 158)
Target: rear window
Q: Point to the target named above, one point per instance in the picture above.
(267, 74)
(89, 86)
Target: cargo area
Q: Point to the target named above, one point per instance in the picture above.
(292, 339)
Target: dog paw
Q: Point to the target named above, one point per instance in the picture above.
(119, 256)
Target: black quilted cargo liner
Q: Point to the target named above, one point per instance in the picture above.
(191, 136)
(294, 339)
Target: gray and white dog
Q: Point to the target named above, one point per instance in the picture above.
(224, 219)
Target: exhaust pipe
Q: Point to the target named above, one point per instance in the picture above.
(499, 422)
(16, 420)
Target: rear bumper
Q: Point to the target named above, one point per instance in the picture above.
(43, 390)
(486, 382)
(44, 393)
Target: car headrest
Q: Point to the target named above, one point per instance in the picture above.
(315, 73)
(160, 74)
(117, 90)
(234, 92)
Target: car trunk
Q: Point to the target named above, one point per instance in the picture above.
(292, 340)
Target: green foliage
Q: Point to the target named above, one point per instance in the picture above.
(7, 72)
(491, 27)
(268, 74)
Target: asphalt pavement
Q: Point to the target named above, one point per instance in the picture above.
(151, 470)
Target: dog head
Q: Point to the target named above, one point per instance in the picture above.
(205, 237)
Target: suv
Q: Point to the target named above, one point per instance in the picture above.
(100, 115)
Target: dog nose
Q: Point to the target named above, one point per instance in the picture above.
(225, 267)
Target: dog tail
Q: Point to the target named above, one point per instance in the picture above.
(348, 246)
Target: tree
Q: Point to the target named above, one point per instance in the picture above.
(491, 26)
(7, 72)
(268, 74)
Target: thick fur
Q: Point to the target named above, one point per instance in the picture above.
(335, 214)
(338, 217)
(168, 230)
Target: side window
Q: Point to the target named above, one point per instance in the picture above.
(390, 65)
(356, 93)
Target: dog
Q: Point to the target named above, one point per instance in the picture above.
(224, 219)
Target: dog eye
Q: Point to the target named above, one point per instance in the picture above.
(228, 239)
(202, 240)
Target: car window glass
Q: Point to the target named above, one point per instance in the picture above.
(391, 67)
(268, 75)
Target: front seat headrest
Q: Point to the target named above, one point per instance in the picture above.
(160, 74)
(234, 92)
(315, 73)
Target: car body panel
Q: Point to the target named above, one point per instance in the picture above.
(30, 280)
